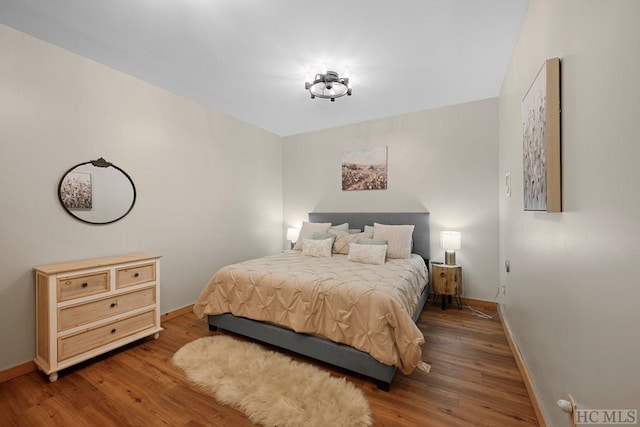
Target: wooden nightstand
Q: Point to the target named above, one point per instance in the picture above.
(447, 282)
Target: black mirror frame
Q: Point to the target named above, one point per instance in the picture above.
(100, 163)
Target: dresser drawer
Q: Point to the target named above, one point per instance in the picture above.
(73, 345)
(71, 287)
(136, 275)
(71, 316)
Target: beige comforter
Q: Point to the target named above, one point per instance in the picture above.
(368, 307)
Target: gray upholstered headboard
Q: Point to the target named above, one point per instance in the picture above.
(421, 239)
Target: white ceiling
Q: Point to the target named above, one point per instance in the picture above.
(250, 58)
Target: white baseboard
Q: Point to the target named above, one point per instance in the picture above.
(522, 366)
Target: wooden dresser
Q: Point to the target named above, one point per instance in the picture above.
(86, 308)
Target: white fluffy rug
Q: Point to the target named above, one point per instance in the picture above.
(271, 388)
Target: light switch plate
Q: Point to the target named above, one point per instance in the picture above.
(507, 184)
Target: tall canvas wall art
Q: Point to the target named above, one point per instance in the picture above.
(541, 141)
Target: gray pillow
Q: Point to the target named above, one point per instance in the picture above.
(341, 227)
(323, 236)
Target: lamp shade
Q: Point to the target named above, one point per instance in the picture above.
(450, 239)
(292, 234)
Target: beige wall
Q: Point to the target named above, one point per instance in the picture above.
(572, 294)
(443, 160)
(209, 186)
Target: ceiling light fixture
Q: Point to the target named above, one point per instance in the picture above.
(328, 86)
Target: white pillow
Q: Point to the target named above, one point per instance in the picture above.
(367, 254)
(398, 237)
(317, 248)
(307, 230)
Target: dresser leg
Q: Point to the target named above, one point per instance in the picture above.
(156, 335)
(53, 377)
(443, 305)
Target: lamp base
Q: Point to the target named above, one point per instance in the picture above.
(450, 257)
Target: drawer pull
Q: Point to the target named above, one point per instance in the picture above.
(113, 331)
(442, 274)
(85, 284)
(136, 275)
(113, 304)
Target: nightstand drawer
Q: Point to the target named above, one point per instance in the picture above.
(136, 275)
(71, 287)
(71, 316)
(73, 345)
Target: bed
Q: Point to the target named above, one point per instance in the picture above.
(364, 349)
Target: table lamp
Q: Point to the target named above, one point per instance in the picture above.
(292, 235)
(449, 241)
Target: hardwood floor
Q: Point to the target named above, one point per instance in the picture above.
(474, 381)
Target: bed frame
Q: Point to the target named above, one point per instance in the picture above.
(337, 354)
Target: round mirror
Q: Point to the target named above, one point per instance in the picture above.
(97, 192)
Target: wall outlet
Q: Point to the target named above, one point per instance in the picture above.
(503, 289)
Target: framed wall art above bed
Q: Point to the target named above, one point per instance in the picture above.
(364, 169)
